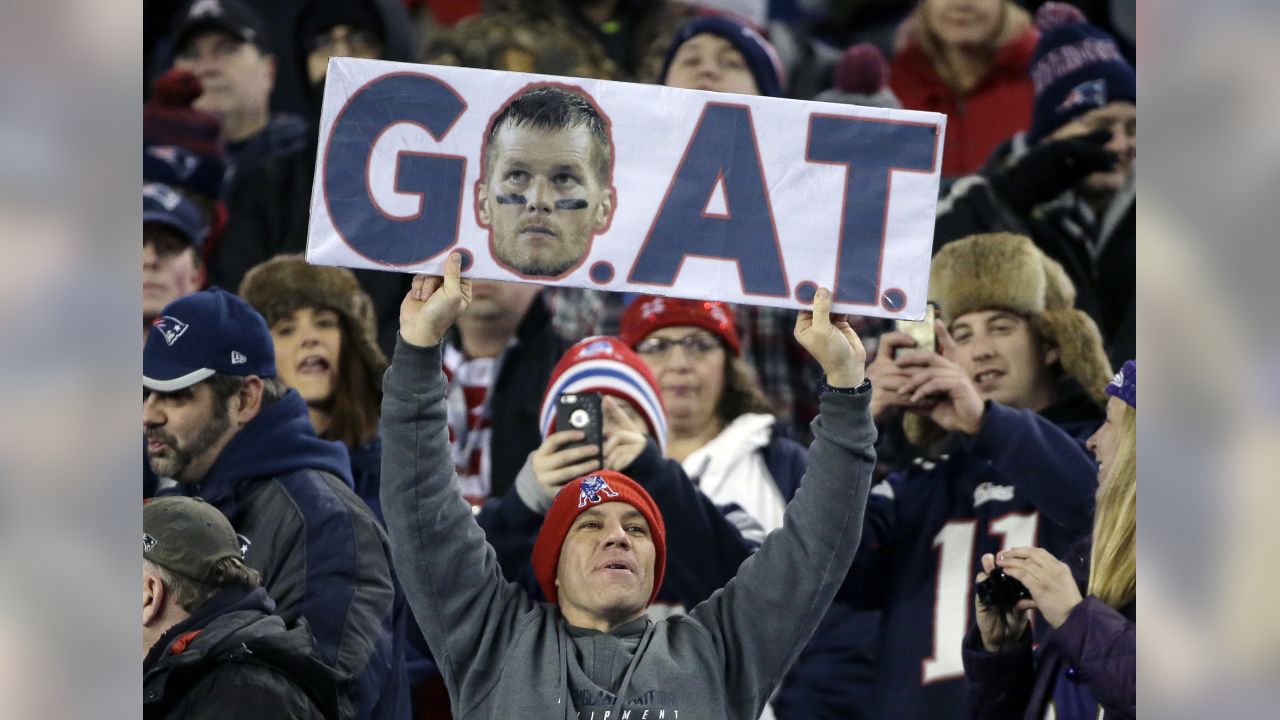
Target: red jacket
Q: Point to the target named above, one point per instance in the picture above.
(995, 110)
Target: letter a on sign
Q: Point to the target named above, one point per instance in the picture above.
(722, 159)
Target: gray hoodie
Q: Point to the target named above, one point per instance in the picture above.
(504, 656)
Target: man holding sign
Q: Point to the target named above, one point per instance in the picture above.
(546, 188)
(596, 653)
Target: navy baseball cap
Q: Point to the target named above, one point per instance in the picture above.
(232, 17)
(166, 206)
(207, 332)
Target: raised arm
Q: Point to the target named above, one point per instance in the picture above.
(704, 546)
(1046, 465)
(468, 613)
(763, 617)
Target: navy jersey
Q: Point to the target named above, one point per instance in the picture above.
(1022, 480)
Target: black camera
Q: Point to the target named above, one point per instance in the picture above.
(1001, 591)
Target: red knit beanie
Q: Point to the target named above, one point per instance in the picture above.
(170, 116)
(651, 312)
(182, 146)
(575, 498)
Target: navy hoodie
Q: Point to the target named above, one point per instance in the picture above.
(322, 554)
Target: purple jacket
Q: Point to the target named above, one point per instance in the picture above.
(1095, 649)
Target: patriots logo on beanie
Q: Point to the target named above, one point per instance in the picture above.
(170, 327)
(1091, 93)
(583, 495)
(1076, 67)
(652, 308)
(590, 490)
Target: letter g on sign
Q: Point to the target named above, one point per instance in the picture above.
(435, 178)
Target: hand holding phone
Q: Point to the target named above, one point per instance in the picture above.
(582, 412)
(922, 332)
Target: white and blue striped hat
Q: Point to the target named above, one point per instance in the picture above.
(605, 365)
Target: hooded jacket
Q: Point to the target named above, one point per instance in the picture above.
(502, 655)
(233, 658)
(322, 554)
(1023, 479)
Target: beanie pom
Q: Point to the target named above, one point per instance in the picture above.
(862, 70)
(1056, 14)
(177, 88)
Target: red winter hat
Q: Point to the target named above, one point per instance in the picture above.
(580, 495)
(651, 312)
(170, 116)
(604, 365)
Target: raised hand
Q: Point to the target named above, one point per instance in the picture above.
(434, 303)
(888, 377)
(624, 439)
(554, 465)
(942, 388)
(832, 342)
(1049, 580)
(1051, 168)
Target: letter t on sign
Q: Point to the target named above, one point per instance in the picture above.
(870, 150)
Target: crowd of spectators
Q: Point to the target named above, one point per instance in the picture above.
(273, 582)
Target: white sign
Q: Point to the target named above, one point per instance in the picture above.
(625, 187)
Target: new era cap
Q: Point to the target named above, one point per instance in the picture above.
(207, 332)
(230, 16)
(187, 536)
(166, 206)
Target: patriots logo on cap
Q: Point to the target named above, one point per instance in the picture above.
(1091, 93)
(717, 312)
(163, 194)
(148, 542)
(182, 162)
(599, 347)
(653, 307)
(170, 327)
(203, 8)
(592, 488)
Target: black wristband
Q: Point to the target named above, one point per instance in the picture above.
(824, 386)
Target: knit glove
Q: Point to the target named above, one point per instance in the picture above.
(1051, 168)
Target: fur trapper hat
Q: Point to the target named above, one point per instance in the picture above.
(1008, 272)
(285, 283)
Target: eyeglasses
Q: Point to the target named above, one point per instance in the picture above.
(695, 347)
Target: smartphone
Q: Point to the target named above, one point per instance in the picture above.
(922, 332)
(581, 411)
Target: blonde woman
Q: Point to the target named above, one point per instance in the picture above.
(1086, 666)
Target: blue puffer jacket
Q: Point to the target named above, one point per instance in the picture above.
(322, 554)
